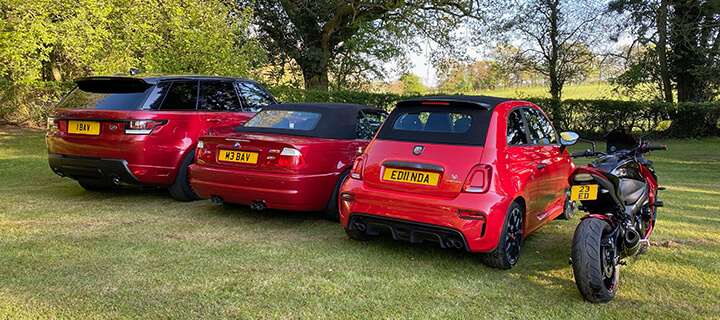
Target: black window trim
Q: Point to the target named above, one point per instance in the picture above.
(527, 129)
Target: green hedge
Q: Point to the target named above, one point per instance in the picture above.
(28, 105)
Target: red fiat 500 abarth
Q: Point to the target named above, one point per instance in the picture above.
(471, 172)
(288, 156)
(141, 130)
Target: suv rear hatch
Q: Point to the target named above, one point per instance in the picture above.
(90, 121)
(427, 148)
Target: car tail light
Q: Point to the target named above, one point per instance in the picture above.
(357, 168)
(478, 181)
(290, 157)
(201, 152)
(52, 124)
(142, 126)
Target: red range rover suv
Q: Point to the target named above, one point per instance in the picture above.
(470, 172)
(141, 130)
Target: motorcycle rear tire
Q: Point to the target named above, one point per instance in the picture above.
(590, 265)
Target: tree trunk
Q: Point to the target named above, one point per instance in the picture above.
(316, 80)
(555, 83)
(661, 49)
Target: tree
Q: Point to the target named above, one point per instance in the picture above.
(315, 33)
(55, 40)
(411, 84)
(686, 35)
(455, 76)
(554, 35)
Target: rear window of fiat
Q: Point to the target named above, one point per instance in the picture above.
(284, 119)
(458, 126)
(106, 96)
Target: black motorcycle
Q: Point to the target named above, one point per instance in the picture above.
(619, 192)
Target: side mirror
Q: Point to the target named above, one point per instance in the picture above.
(662, 125)
(568, 138)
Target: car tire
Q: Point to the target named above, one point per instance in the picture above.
(358, 235)
(569, 209)
(93, 186)
(332, 211)
(181, 189)
(507, 252)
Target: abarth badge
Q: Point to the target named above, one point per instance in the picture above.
(417, 150)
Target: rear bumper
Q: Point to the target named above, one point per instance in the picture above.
(101, 170)
(297, 192)
(415, 217)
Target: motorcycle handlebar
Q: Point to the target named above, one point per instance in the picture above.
(652, 148)
(586, 153)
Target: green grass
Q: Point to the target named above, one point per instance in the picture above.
(585, 91)
(68, 253)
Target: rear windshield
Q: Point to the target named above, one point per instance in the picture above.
(284, 119)
(103, 100)
(443, 125)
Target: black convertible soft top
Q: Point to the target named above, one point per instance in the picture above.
(337, 120)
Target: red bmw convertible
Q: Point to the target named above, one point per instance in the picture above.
(470, 172)
(288, 156)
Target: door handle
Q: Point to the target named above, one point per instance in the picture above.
(541, 166)
(213, 120)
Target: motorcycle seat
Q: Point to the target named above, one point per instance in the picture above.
(631, 190)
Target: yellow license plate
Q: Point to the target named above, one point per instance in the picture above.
(411, 176)
(238, 156)
(584, 192)
(84, 127)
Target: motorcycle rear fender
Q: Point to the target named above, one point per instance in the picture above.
(601, 217)
(606, 181)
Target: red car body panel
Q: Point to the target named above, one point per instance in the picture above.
(305, 188)
(149, 159)
(535, 176)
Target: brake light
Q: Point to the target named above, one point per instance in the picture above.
(290, 157)
(52, 125)
(142, 126)
(357, 168)
(435, 103)
(478, 181)
(201, 152)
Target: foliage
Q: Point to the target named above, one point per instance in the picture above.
(345, 36)
(689, 34)
(556, 36)
(29, 104)
(455, 76)
(412, 84)
(57, 40)
(594, 118)
(379, 100)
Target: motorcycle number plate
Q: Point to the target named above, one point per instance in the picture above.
(584, 192)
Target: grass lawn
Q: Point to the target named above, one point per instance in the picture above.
(585, 91)
(69, 253)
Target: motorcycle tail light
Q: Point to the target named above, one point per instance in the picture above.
(142, 126)
(357, 168)
(478, 181)
(583, 177)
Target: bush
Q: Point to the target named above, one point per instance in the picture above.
(379, 100)
(29, 104)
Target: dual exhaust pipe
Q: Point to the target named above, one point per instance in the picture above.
(452, 242)
(255, 205)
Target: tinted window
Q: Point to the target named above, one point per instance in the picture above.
(453, 125)
(255, 96)
(182, 95)
(540, 129)
(433, 122)
(157, 95)
(516, 129)
(368, 124)
(284, 119)
(219, 96)
(80, 99)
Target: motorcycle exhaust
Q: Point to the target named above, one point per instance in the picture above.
(632, 242)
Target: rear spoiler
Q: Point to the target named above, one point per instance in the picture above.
(112, 84)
